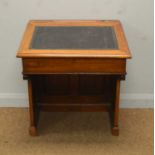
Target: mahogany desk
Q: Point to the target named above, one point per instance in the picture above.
(74, 66)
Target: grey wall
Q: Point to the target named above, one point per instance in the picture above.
(136, 17)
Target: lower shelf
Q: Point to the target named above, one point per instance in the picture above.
(74, 107)
(73, 103)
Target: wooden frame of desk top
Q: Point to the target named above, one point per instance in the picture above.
(122, 52)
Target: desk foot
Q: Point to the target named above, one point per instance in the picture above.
(33, 131)
(115, 131)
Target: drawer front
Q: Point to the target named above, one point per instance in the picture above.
(73, 65)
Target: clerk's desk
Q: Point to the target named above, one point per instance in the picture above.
(74, 66)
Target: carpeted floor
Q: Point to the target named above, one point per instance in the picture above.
(76, 133)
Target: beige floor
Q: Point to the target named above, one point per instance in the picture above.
(76, 133)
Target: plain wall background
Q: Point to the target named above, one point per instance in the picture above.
(136, 17)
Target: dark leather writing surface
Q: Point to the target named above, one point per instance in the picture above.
(74, 37)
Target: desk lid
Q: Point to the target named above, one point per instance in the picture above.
(74, 39)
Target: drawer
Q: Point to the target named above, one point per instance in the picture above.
(73, 65)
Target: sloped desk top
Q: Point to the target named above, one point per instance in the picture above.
(74, 39)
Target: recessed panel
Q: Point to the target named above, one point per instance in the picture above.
(74, 37)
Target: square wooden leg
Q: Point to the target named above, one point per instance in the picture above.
(114, 111)
(32, 111)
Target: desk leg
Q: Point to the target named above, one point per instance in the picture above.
(114, 112)
(32, 111)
